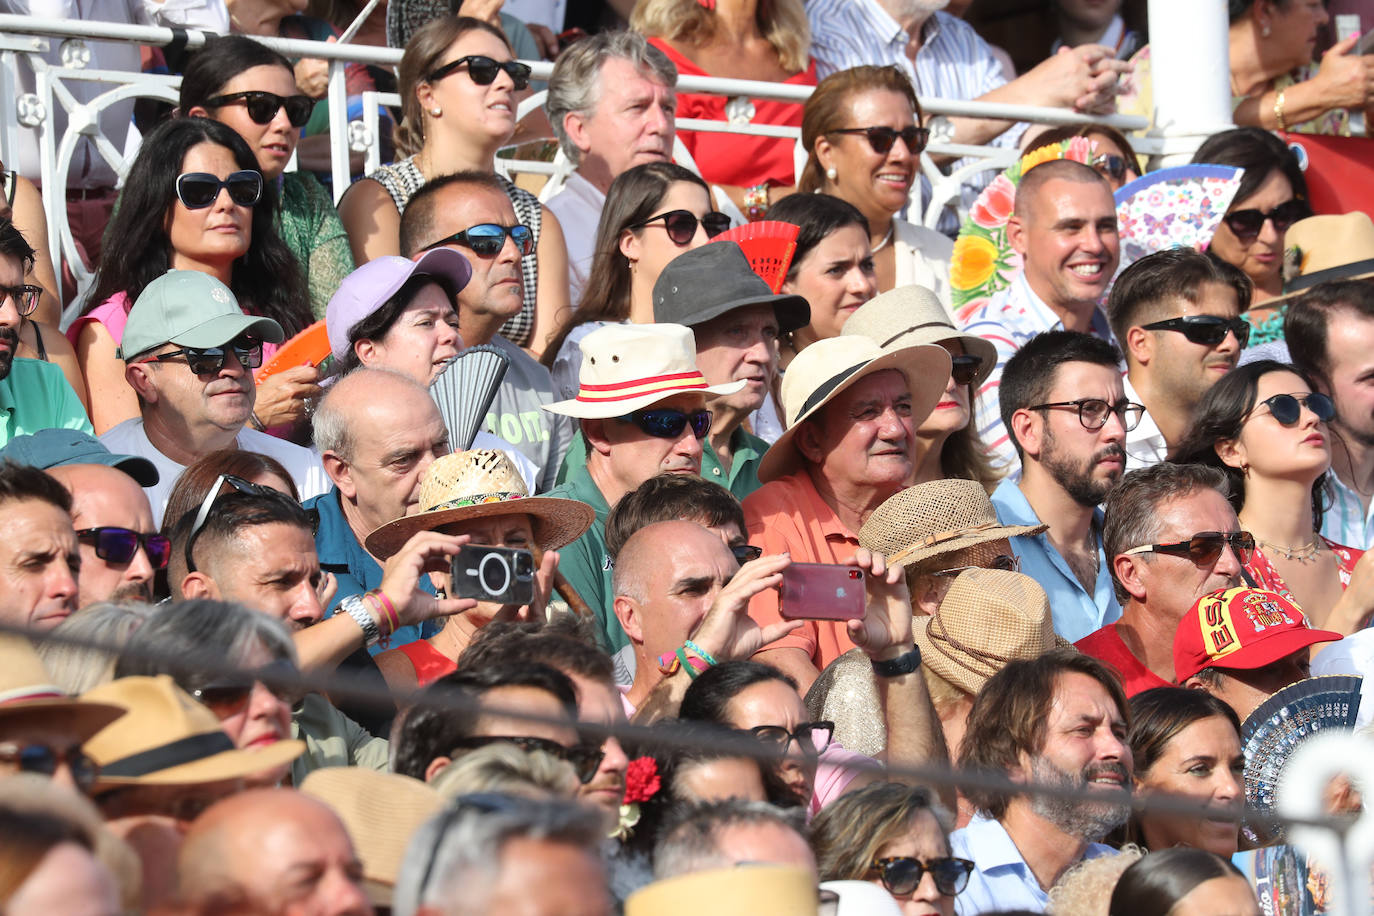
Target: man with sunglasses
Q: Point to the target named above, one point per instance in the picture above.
(1064, 406)
(1176, 314)
(34, 394)
(189, 354)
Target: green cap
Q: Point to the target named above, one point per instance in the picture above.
(191, 309)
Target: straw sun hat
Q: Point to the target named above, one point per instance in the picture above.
(28, 697)
(935, 518)
(912, 315)
(482, 483)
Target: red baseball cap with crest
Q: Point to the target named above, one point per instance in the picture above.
(1241, 628)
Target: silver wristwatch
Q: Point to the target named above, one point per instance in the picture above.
(353, 606)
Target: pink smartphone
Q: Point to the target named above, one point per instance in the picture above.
(822, 591)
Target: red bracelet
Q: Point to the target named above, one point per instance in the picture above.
(393, 618)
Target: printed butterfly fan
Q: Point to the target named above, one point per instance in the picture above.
(309, 347)
(769, 245)
(1175, 207)
(464, 390)
(1274, 730)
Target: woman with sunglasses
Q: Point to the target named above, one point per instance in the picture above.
(1264, 425)
(1272, 196)
(863, 135)
(653, 213)
(892, 835)
(248, 86)
(192, 201)
(459, 84)
(1113, 157)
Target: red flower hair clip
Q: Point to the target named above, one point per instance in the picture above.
(642, 781)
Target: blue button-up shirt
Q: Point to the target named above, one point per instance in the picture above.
(1001, 879)
(1076, 612)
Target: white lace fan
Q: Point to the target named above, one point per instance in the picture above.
(464, 390)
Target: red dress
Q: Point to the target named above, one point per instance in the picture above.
(737, 159)
(430, 664)
(1267, 577)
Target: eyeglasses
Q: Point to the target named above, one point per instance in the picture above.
(118, 545)
(881, 139)
(1093, 412)
(682, 224)
(1004, 562)
(1287, 408)
(811, 737)
(1208, 330)
(25, 298)
(1246, 224)
(45, 759)
(482, 70)
(198, 190)
(585, 759)
(247, 488)
(263, 106)
(1204, 548)
(746, 552)
(487, 239)
(229, 698)
(965, 368)
(901, 875)
(668, 422)
(210, 360)
(1113, 167)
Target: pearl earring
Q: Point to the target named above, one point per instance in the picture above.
(1265, 30)
(436, 111)
(831, 174)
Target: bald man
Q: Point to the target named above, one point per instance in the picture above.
(276, 848)
(121, 549)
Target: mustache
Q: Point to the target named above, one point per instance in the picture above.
(10, 335)
(1115, 450)
(1108, 769)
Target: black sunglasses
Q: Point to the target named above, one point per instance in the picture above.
(1208, 330)
(44, 759)
(1287, 408)
(668, 422)
(228, 698)
(1003, 562)
(745, 552)
(811, 737)
(1093, 412)
(487, 239)
(585, 759)
(965, 368)
(118, 545)
(25, 298)
(901, 875)
(263, 106)
(682, 224)
(881, 139)
(1246, 224)
(1113, 167)
(209, 360)
(198, 190)
(1204, 547)
(483, 70)
(246, 488)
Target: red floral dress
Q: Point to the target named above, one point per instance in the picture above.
(1266, 576)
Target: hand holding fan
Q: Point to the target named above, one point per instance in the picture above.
(464, 390)
(310, 346)
(769, 245)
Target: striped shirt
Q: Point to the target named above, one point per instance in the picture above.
(1346, 521)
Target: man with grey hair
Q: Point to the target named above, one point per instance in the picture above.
(723, 834)
(611, 103)
(1171, 537)
(500, 854)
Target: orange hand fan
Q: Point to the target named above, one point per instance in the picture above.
(309, 346)
(768, 244)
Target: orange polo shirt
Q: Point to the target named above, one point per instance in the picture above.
(788, 515)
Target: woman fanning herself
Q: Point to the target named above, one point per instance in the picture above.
(862, 129)
(248, 86)
(193, 200)
(458, 85)
(1265, 426)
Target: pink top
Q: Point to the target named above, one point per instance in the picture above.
(113, 313)
(834, 773)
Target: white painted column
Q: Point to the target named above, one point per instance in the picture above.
(1191, 74)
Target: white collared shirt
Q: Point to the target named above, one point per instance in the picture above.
(1001, 879)
(578, 208)
(1145, 445)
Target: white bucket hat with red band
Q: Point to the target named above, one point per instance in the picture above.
(629, 366)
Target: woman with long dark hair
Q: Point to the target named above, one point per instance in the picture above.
(1183, 882)
(192, 201)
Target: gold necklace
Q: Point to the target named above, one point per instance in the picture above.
(1302, 553)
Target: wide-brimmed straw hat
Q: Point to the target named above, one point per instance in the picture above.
(629, 366)
(828, 367)
(482, 483)
(934, 518)
(1337, 246)
(381, 812)
(28, 697)
(911, 315)
(743, 890)
(168, 739)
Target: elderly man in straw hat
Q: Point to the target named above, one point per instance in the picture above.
(642, 408)
(478, 494)
(852, 409)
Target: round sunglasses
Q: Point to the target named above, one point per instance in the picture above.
(882, 139)
(44, 759)
(263, 106)
(482, 70)
(198, 190)
(901, 875)
(487, 239)
(119, 545)
(1203, 548)
(669, 422)
(1246, 224)
(1287, 408)
(682, 224)
(1208, 330)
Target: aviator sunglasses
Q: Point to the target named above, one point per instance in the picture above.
(668, 422)
(901, 875)
(1246, 224)
(198, 190)
(682, 224)
(881, 139)
(1208, 330)
(263, 106)
(118, 545)
(1204, 547)
(487, 239)
(482, 70)
(1287, 408)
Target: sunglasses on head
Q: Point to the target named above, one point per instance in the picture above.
(482, 70)
(1204, 548)
(246, 488)
(198, 190)
(1246, 224)
(965, 368)
(585, 759)
(881, 139)
(668, 422)
(118, 545)
(901, 875)
(487, 239)
(209, 360)
(1113, 167)
(263, 106)
(1287, 408)
(811, 737)
(1208, 330)
(682, 224)
(44, 759)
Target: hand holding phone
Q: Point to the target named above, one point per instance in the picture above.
(822, 591)
(500, 575)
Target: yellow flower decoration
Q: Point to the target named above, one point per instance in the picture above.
(973, 262)
(1044, 154)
